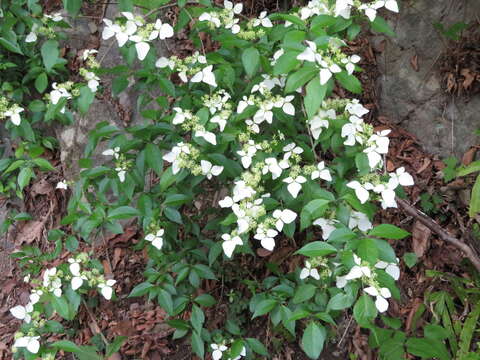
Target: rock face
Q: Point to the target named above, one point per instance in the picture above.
(74, 138)
(410, 85)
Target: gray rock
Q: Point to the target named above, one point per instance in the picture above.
(415, 99)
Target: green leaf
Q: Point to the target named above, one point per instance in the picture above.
(165, 301)
(474, 207)
(66, 345)
(177, 199)
(349, 82)
(286, 63)
(72, 6)
(125, 5)
(381, 26)
(257, 346)
(364, 310)
(152, 157)
(141, 289)
(317, 248)
(24, 177)
(303, 293)
(173, 215)
(251, 61)
(41, 83)
(71, 243)
(10, 46)
(264, 307)
(468, 329)
(312, 211)
(388, 231)
(473, 167)
(205, 300)
(119, 84)
(85, 99)
(314, 97)
(340, 301)
(197, 345)
(50, 52)
(367, 250)
(300, 78)
(197, 318)
(43, 164)
(61, 306)
(122, 212)
(115, 345)
(313, 340)
(410, 259)
(427, 348)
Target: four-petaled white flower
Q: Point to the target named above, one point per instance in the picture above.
(35, 296)
(308, 271)
(208, 136)
(56, 17)
(294, 185)
(23, 312)
(355, 108)
(31, 343)
(246, 155)
(162, 31)
(360, 220)
(320, 122)
(209, 170)
(218, 350)
(314, 7)
(205, 75)
(14, 115)
(381, 296)
(156, 239)
(263, 20)
(322, 172)
(266, 237)
(400, 177)
(377, 146)
(327, 225)
(350, 62)
(181, 115)
(77, 279)
(358, 270)
(32, 36)
(352, 131)
(275, 167)
(115, 152)
(121, 173)
(310, 53)
(361, 190)
(370, 9)
(283, 217)
(230, 243)
(291, 149)
(87, 52)
(164, 62)
(93, 81)
(244, 103)
(341, 282)
(106, 288)
(174, 156)
(52, 282)
(211, 18)
(141, 46)
(242, 191)
(391, 269)
(343, 8)
(286, 104)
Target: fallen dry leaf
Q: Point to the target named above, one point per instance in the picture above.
(469, 156)
(30, 231)
(469, 78)
(414, 62)
(420, 237)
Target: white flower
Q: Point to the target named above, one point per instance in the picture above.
(243, 221)
(322, 172)
(205, 75)
(327, 70)
(350, 63)
(286, 105)
(308, 271)
(14, 114)
(243, 353)
(391, 5)
(291, 149)
(181, 116)
(22, 312)
(381, 295)
(122, 35)
(32, 36)
(343, 8)
(355, 108)
(141, 46)
(174, 156)
(30, 342)
(156, 239)
(218, 351)
(58, 93)
(210, 170)
(327, 225)
(263, 20)
(247, 154)
(26, 278)
(310, 53)
(358, 270)
(352, 131)
(360, 220)
(320, 121)
(52, 282)
(106, 288)
(242, 191)
(294, 185)
(211, 18)
(35, 296)
(341, 281)
(361, 190)
(121, 173)
(232, 24)
(314, 7)
(227, 202)
(229, 244)
(243, 104)
(274, 167)
(93, 81)
(162, 31)
(221, 120)
(264, 113)
(283, 217)
(115, 152)
(266, 237)
(207, 136)
(277, 56)
(400, 177)
(56, 17)
(377, 146)
(87, 52)
(163, 62)
(391, 269)
(236, 9)
(371, 9)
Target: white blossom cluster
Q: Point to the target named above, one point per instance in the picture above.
(134, 29)
(52, 282)
(10, 111)
(344, 8)
(46, 28)
(122, 164)
(219, 349)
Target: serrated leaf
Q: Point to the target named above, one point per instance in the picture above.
(313, 340)
(251, 61)
(389, 231)
(317, 248)
(264, 307)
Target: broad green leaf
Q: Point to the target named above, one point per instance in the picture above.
(85, 99)
(122, 212)
(41, 83)
(251, 61)
(165, 301)
(474, 207)
(312, 211)
(61, 306)
(388, 231)
(115, 345)
(43, 164)
(72, 6)
(50, 53)
(314, 97)
(152, 157)
(410, 259)
(303, 293)
(313, 340)
(349, 82)
(300, 78)
(286, 63)
(197, 318)
(10, 46)
(367, 250)
(364, 310)
(141, 289)
(264, 307)
(381, 26)
(473, 167)
(197, 345)
(317, 248)
(257, 346)
(205, 300)
(24, 177)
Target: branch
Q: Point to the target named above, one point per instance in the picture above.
(442, 234)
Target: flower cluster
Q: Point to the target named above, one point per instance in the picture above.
(93, 81)
(219, 349)
(122, 164)
(44, 27)
(12, 112)
(134, 29)
(344, 8)
(53, 281)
